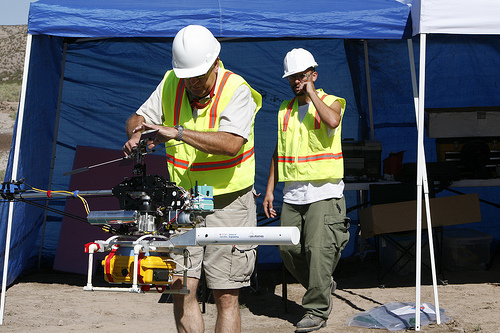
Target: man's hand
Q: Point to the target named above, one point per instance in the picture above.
(164, 133)
(134, 136)
(131, 143)
(268, 206)
(308, 88)
(271, 185)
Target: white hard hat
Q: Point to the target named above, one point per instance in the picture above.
(194, 50)
(298, 60)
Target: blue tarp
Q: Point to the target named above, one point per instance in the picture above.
(118, 51)
(225, 18)
(106, 80)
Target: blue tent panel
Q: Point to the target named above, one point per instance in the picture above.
(226, 18)
(106, 80)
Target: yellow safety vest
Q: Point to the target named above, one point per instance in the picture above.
(305, 152)
(188, 166)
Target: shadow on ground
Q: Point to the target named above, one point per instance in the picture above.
(262, 299)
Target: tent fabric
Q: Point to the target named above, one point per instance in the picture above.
(469, 65)
(34, 163)
(479, 17)
(128, 82)
(225, 18)
(107, 79)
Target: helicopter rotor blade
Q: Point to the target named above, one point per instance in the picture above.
(72, 172)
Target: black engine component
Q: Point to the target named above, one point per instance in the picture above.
(147, 193)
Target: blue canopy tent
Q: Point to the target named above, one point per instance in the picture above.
(92, 64)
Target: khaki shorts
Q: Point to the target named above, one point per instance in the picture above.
(226, 266)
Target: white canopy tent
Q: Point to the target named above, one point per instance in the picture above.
(462, 17)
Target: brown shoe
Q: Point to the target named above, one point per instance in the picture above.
(310, 323)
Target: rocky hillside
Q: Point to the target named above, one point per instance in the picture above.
(12, 50)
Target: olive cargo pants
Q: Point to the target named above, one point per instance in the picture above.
(324, 232)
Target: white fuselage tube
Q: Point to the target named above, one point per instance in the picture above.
(248, 236)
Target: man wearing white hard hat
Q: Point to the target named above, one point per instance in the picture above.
(211, 110)
(308, 158)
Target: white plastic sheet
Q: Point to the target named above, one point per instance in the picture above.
(396, 316)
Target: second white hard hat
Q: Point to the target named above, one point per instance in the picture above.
(194, 50)
(298, 60)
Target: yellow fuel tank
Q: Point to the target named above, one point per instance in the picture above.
(152, 269)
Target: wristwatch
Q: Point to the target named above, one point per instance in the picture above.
(180, 129)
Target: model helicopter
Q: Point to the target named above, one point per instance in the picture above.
(156, 219)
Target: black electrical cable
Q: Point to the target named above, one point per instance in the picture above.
(57, 211)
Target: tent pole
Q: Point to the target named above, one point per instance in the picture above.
(426, 187)
(369, 89)
(418, 250)
(421, 179)
(54, 147)
(17, 145)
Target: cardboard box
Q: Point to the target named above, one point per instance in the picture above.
(402, 216)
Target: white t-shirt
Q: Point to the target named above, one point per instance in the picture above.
(236, 117)
(302, 193)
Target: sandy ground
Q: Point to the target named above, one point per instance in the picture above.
(56, 302)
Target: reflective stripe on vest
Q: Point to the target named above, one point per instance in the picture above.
(213, 111)
(310, 158)
(287, 114)
(317, 124)
(207, 166)
(178, 163)
(178, 101)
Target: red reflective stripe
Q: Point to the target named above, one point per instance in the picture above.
(207, 166)
(319, 157)
(213, 110)
(178, 101)
(287, 114)
(288, 159)
(317, 122)
(310, 158)
(178, 163)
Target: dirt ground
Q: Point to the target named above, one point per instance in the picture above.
(48, 301)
